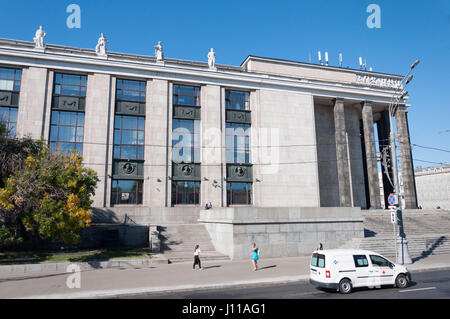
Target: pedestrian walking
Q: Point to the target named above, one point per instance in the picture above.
(197, 252)
(255, 256)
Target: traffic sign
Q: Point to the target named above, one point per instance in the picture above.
(393, 214)
(392, 199)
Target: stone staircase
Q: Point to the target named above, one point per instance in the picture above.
(178, 242)
(427, 231)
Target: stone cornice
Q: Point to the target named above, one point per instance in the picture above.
(21, 53)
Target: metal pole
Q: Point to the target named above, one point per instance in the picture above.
(403, 256)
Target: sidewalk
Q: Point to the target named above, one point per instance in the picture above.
(171, 277)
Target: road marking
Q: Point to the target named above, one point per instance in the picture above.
(418, 289)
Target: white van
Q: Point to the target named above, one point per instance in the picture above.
(344, 269)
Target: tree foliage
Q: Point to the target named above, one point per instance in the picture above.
(44, 195)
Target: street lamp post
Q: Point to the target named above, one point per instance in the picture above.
(403, 256)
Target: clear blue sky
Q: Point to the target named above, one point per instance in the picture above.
(285, 29)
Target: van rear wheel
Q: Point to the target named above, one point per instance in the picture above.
(345, 286)
(401, 281)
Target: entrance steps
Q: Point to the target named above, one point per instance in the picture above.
(178, 242)
(427, 232)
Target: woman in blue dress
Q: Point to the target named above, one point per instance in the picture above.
(255, 256)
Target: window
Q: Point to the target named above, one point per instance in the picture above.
(8, 119)
(186, 141)
(360, 261)
(318, 260)
(236, 100)
(128, 90)
(238, 143)
(129, 137)
(186, 95)
(239, 193)
(379, 261)
(10, 79)
(70, 84)
(185, 193)
(126, 192)
(66, 132)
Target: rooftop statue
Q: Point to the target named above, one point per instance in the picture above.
(212, 59)
(159, 52)
(39, 38)
(100, 49)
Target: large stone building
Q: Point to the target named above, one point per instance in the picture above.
(433, 187)
(166, 136)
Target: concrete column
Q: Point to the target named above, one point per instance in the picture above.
(32, 103)
(406, 161)
(96, 131)
(158, 125)
(371, 155)
(211, 146)
(341, 154)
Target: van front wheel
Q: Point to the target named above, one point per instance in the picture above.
(345, 286)
(401, 281)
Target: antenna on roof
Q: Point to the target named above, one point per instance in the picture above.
(340, 60)
(360, 63)
(326, 58)
(320, 57)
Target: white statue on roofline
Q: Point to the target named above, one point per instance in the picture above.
(39, 38)
(100, 49)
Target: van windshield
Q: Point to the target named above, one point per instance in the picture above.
(318, 260)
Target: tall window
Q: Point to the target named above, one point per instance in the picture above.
(128, 90)
(185, 192)
(10, 80)
(186, 145)
(186, 95)
(66, 132)
(237, 100)
(127, 191)
(67, 126)
(186, 141)
(129, 141)
(70, 84)
(239, 193)
(129, 137)
(238, 143)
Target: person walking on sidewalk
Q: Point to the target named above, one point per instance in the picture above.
(197, 257)
(255, 256)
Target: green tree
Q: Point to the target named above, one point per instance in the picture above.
(47, 197)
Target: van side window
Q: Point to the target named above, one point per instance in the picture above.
(360, 261)
(318, 260)
(379, 261)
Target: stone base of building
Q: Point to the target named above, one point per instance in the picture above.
(280, 232)
(144, 215)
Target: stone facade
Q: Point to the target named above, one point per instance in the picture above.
(305, 147)
(433, 187)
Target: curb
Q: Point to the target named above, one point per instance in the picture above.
(169, 289)
(88, 265)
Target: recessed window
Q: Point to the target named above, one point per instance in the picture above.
(66, 132)
(239, 193)
(8, 119)
(185, 193)
(237, 100)
(237, 143)
(126, 192)
(129, 90)
(186, 95)
(10, 79)
(129, 137)
(186, 141)
(70, 84)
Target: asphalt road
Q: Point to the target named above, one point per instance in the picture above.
(424, 285)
